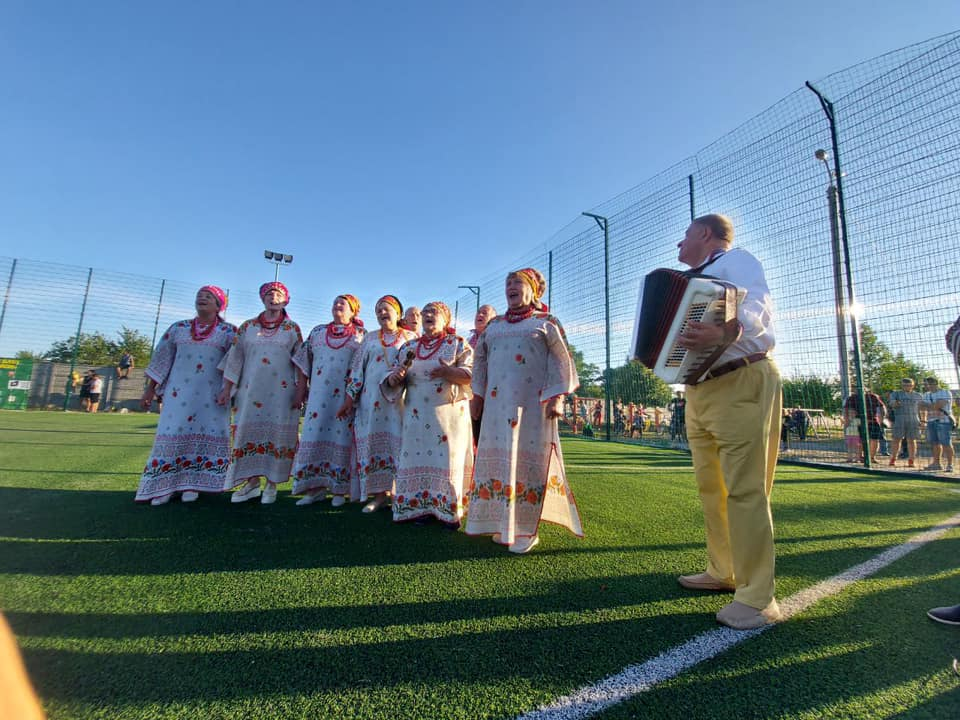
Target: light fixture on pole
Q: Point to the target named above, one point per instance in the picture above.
(277, 259)
(475, 289)
(840, 303)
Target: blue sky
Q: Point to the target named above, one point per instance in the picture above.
(390, 147)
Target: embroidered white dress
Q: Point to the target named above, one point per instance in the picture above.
(376, 422)
(260, 364)
(519, 479)
(326, 454)
(436, 447)
(192, 445)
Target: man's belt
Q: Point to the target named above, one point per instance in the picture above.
(729, 367)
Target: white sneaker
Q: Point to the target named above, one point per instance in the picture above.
(309, 499)
(524, 545)
(163, 500)
(189, 496)
(247, 492)
(338, 501)
(949, 468)
(269, 495)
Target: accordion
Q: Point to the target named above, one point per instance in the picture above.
(669, 301)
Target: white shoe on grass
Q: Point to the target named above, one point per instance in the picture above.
(310, 499)
(189, 496)
(338, 501)
(247, 492)
(269, 495)
(162, 500)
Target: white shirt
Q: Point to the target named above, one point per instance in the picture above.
(756, 311)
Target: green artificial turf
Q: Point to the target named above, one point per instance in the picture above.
(213, 610)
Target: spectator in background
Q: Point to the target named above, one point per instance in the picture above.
(937, 401)
(597, 414)
(96, 388)
(413, 320)
(485, 313)
(876, 411)
(905, 404)
(85, 390)
(801, 422)
(125, 365)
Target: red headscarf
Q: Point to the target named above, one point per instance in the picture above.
(393, 302)
(443, 309)
(354, 304)
(219, 294)
(268, 286)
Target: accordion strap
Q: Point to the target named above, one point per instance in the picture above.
(731, 331)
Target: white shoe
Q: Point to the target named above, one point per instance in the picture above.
(247, 492)
(338, 501)
(524, 545)
(189, 496)
(163, 500)
(269, 495)
(309, 499)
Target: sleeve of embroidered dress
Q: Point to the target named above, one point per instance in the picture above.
(355, 375)
(303, 352)
(161, 362)
(232, 363)
(561, 376)
(463, 361)
(479, 381)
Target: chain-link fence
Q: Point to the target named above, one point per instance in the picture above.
(859, 235)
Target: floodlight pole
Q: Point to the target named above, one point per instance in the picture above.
(278, 259)
(604, 224)
(475, 289)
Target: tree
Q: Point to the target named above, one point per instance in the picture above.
(588, 373)
(29, 355)
(97, 349)
(635, 383)
(882, 369)
(812, 392)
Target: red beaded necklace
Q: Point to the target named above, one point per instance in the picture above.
(432, 345)
(199, 334)
(270, 327)
(339, 331)
(515, 316)
(397, 336)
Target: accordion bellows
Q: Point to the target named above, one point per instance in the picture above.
(669, 301)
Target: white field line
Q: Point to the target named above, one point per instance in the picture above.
(640, 678)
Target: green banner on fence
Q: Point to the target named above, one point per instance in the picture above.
(15, 383)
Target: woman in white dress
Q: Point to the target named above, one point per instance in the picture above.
(326, 456)
(260, 366)
(376, 423)
(432, 376)
(522, 372)
(191, 451)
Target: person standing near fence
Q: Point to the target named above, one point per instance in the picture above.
(522, 371)
(734, 456)
(268, 397)
(326, 453)
(937, 402)
(191, 451)
(905, 404)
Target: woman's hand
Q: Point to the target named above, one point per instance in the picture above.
(346, 410)
(554, 407)
(397, 377)
(146, 400)
(223, 397)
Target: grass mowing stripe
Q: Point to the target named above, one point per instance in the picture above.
(641, 678)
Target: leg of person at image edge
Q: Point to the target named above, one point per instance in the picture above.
(734, 465)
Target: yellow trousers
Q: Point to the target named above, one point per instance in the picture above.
(733, 428)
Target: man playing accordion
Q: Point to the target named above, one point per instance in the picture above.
(733, 422)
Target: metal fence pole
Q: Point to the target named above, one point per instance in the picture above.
(604, 224)
(829, 111)
(693, 210)
(550, 278)
(156, 321)
(76, 341)
(6, 296)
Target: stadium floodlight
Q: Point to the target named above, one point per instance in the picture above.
(278, 259)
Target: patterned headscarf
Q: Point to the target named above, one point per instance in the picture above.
(354, 304)
(393, 302)
(534, 278)
(443, 309)
(219, 294)
(268, 286)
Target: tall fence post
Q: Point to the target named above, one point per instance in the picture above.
(76, 341)
(156, 320)
(604, 224)
(830, 112)
(550, 278)
(693, 206)
(6, 295)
